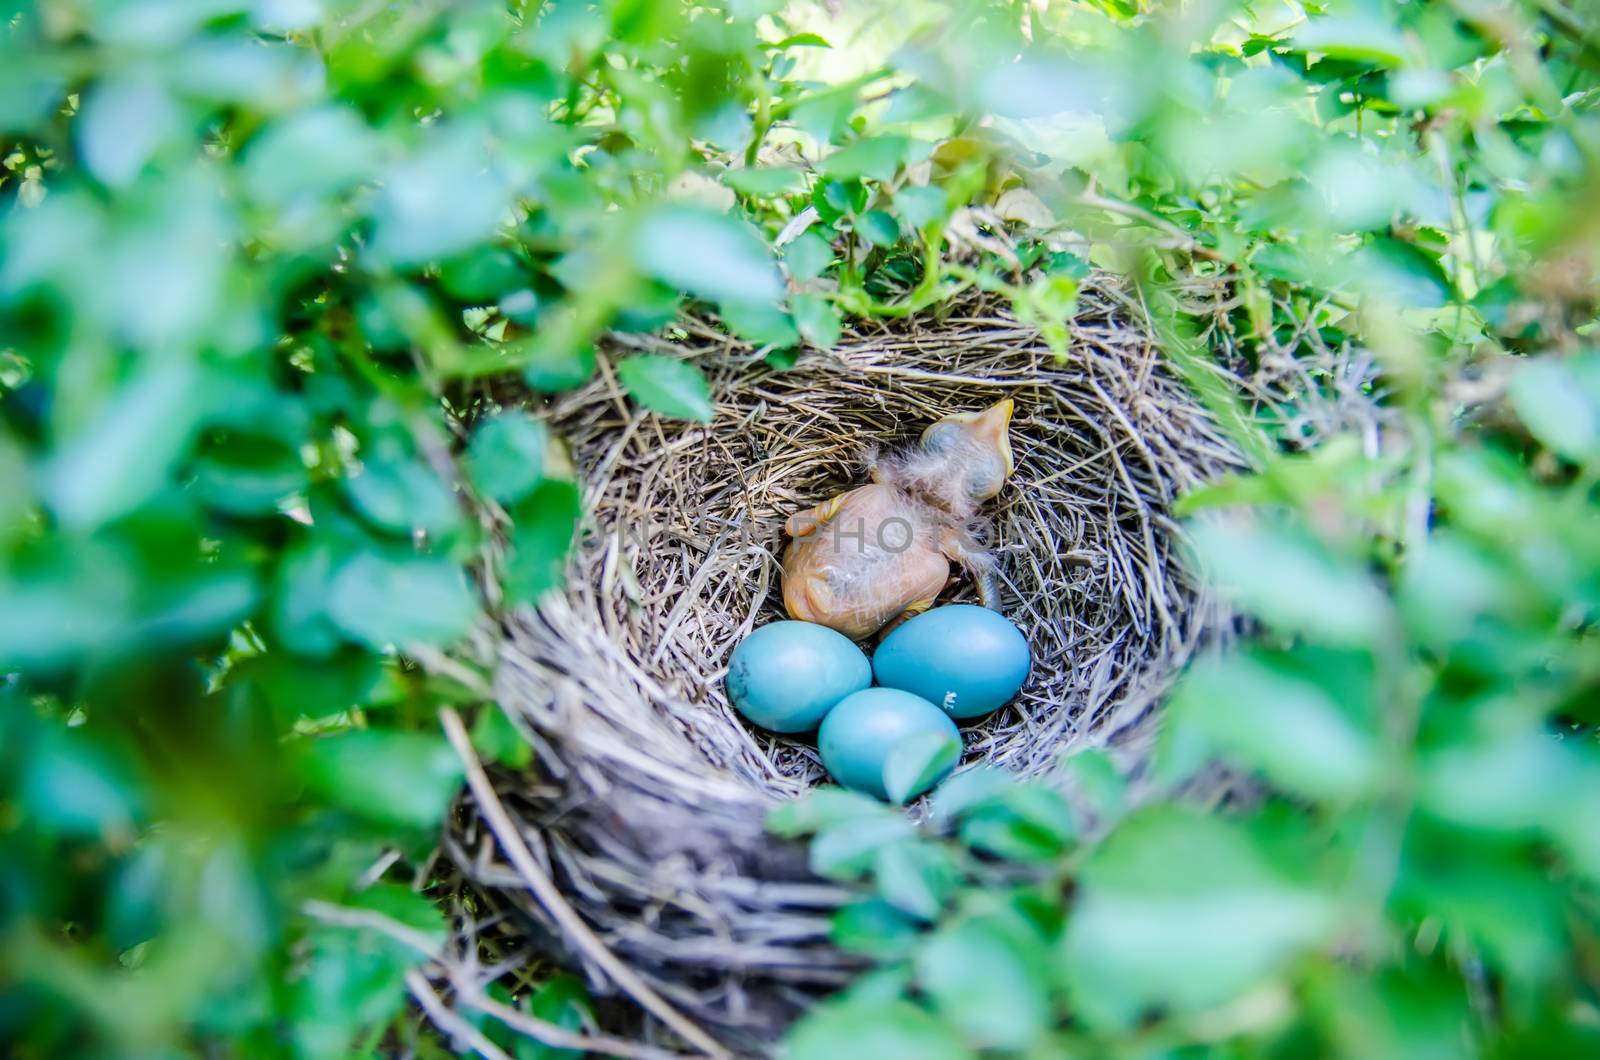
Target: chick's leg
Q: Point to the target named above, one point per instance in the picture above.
(977, 562)
(808, 522)
(913, 609)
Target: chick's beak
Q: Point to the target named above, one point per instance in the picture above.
(992, 427)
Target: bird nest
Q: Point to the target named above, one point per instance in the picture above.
(636, 842)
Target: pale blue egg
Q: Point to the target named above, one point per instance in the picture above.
(966, 660)
(786, 675)
(858, 736)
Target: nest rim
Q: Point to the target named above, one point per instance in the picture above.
(651, 791)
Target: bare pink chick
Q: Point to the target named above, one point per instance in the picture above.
(882, 552)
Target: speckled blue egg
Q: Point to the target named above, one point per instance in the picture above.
(858, 736)
(966, 660)
(785, 676)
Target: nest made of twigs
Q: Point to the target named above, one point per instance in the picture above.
(645, 809)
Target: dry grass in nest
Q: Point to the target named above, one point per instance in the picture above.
(646, 806)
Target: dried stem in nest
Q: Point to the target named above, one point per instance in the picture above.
(647, 802)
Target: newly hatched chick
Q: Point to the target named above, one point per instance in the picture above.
(883, 551)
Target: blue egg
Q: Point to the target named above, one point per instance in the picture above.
(966, 660)
(859, 735)
(786, 675)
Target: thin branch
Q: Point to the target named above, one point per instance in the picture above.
(346, 916)
(1094, 200)
(448, 1020)
(559, 1037)
(468, 993)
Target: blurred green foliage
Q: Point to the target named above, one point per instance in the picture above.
(1408, 864)
(261, 260)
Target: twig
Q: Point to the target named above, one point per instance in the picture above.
(544, 889)
(467, 992)
(1565, 21)
(438, 662)
(559, 1037)
(448, 1020)
(1094, 200)
(345, 916)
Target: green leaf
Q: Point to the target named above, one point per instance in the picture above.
(30, 93)
(541, 540)
(825, 113)
(72, 786)
(839, 198)
(877, 987)
(482, 275)
(652, 309)
(521, 305)
(1029, 823)
(301, 596)
(808, 256)
(506, 455)
(916, 878)
(846, 850)
(122, 123)
(1298, 479)
(1447, 590)
(1361, 37)
(875, 929)
(918, 763)
(765, 181)
(498, 740)
(667, 385)
(406, 906)
(247, 475)
(1261, 714)
(350, 981)
(381, 599)
(823, 808)
(971, 789)
(402, 496)
(922, 205)
(61, 600)
(988, 983)
(1496, 301)
(879, 228)
(1041, 83)
(707, 254)
(126, 452)
(800, 40)
(1406, 274)
(1096, 775)
(819, 320)
(1559, 401)
(1514, 781)
(309, 155)
(550, 369)
(782, 359)
(896, 1031)
(1062, 263)
(1185, 912)
(763, 325)
(394, 778)
(1292, 581)
(1053, 297)
(877, 157)
(333, 686)
(1505, 906)
(439, 201)
(563, 1001)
